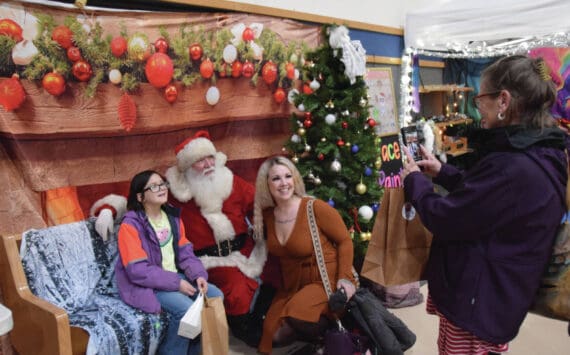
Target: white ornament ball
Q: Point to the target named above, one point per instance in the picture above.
(314, 85)
(295, 138)
(213, 95)
(291, 96)
(23, 52)
(336, 166)
(301, 107)
(365, 212)
(115, 76)
(230, 53)
(330, 119)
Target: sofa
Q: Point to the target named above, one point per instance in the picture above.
(59, 283)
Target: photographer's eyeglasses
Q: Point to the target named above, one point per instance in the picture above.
(476, 101)
(155, 188)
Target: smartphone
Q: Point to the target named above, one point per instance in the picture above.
(412, 137)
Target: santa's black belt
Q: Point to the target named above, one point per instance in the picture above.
(223, 248)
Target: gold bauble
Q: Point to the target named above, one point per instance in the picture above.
(363, 236)
(295, 159)
(301, 131)
(361, 188)
(378, 164)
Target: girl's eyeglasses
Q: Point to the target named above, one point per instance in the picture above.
(476, 101)
(155, 188)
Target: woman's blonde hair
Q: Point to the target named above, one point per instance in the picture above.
(263, 198)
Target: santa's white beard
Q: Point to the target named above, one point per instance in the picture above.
(210, 191)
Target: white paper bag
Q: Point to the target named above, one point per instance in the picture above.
(191, 323)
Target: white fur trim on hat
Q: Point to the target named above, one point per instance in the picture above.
(193, 151)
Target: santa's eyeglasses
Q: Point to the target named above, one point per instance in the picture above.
(155, 188)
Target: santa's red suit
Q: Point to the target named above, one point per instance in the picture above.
(214, 215)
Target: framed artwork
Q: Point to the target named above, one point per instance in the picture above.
(382, 99)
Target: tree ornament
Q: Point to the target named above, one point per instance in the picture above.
(279, 95)
(118, 46)
(115, 76)
(81, 70)
(378, 164)
(291, 96)
(11, 29)
(269, 72)
(336, 166)
(295, 138)
(295, 159)
(364, 236)
(323, 139)
(195, 51)
(314, 85)
(375, 207)
(230, 53)
(366, 213)
(236, 69)
(159, 69)
(367, 171)
(290, 70)
(308, 115)
(248, 34)
(330, 119)
(340, 142)
(361, 188)
(362, 102)
(301, 107)
(207, 69)
(344, 124)
(301, 131)
(12, 94)
(223, 69)
(54, 83)
(127, 112)
(310, 176)
(329, 105)
(63, 36)
(307, 89)
(138, 47)
(308, 123)
(23, 52)
(161, 45)
(248, 69)
(307, 148)
(371, 122)
(73, 54)
(317, 181)
(321, 156)
(212, 95)
(354, 149)
(331, 202)
(170, 93)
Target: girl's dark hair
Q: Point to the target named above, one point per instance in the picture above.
(138, 184)
(533, 93)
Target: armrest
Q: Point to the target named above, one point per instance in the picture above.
(40, 327)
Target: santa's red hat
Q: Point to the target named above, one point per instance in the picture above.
(193, 149)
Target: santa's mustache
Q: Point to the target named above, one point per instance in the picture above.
(208, 170)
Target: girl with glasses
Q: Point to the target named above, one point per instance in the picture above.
(157, 269)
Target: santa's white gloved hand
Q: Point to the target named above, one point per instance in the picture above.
(105, 223)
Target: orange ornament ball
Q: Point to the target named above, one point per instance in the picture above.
(63, 36)
(207, 69)
(171, 93)
(82, 70)
(195, 51)
(248, 69)
(290, 69)
(11, 29)
(269, 72)
(54, 83)
(307, 89)
(279, 95)
(12, 94)
(248, 34)
(236, 69)
(73, 54)
(159, 69)
(118, 46)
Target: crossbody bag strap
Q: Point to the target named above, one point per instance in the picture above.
(318, 248)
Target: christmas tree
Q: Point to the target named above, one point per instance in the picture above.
(334, 143)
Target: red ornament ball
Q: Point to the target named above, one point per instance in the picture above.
(308, 115)
(307, 89)
(195, 51)
(269, 72)
(12, 94)
(54, 83)
(160, 45)
(159, 69)
(371, 122)
(73, 54)
(63, 36)
(248, 69)
(118, 46)
(11, 29)
(171, 93)
(340, 143)
(248, 34)
(82, 70)
(321, 156)
(279, 95)
(236, 69)
(290, 69)
(308, 123)
(344, 124)
(207, 69)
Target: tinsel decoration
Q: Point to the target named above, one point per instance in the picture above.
(12, 94)
(127, 112)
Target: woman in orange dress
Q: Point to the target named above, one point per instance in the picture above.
(300, 306)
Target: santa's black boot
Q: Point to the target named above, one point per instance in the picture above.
(239, 326)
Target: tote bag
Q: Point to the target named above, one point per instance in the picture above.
(399, 247)
(215, 337)
(191, 324)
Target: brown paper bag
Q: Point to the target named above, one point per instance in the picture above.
(399, 247)
(215, 337)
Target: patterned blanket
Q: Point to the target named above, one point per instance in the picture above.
(72, 267)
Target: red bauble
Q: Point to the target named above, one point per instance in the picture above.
(11, 29)
(82, 70)
(371, 122)
(307, 89)
(340, 143)
(308, 115)
(127, 112)
(118, 46)
(159, 70)
(12, 94)
(73, 54)
(321, 156)
(248, 34)
(63, 36)
(171, 93)
(269, 72)
(236, 69)
(207, 69)
(196, 51)
(279, 95)
(160, 45)
(54, 83)
(248, 69)
(308, 123)
(290, 69)
(344, 124)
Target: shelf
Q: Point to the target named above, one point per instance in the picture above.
(443, 88)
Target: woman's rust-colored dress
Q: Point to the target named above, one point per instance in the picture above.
(302, 295)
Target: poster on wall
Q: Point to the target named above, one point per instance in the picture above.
(391, 155)
(382, 100)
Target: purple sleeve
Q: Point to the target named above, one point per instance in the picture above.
(190, 264)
